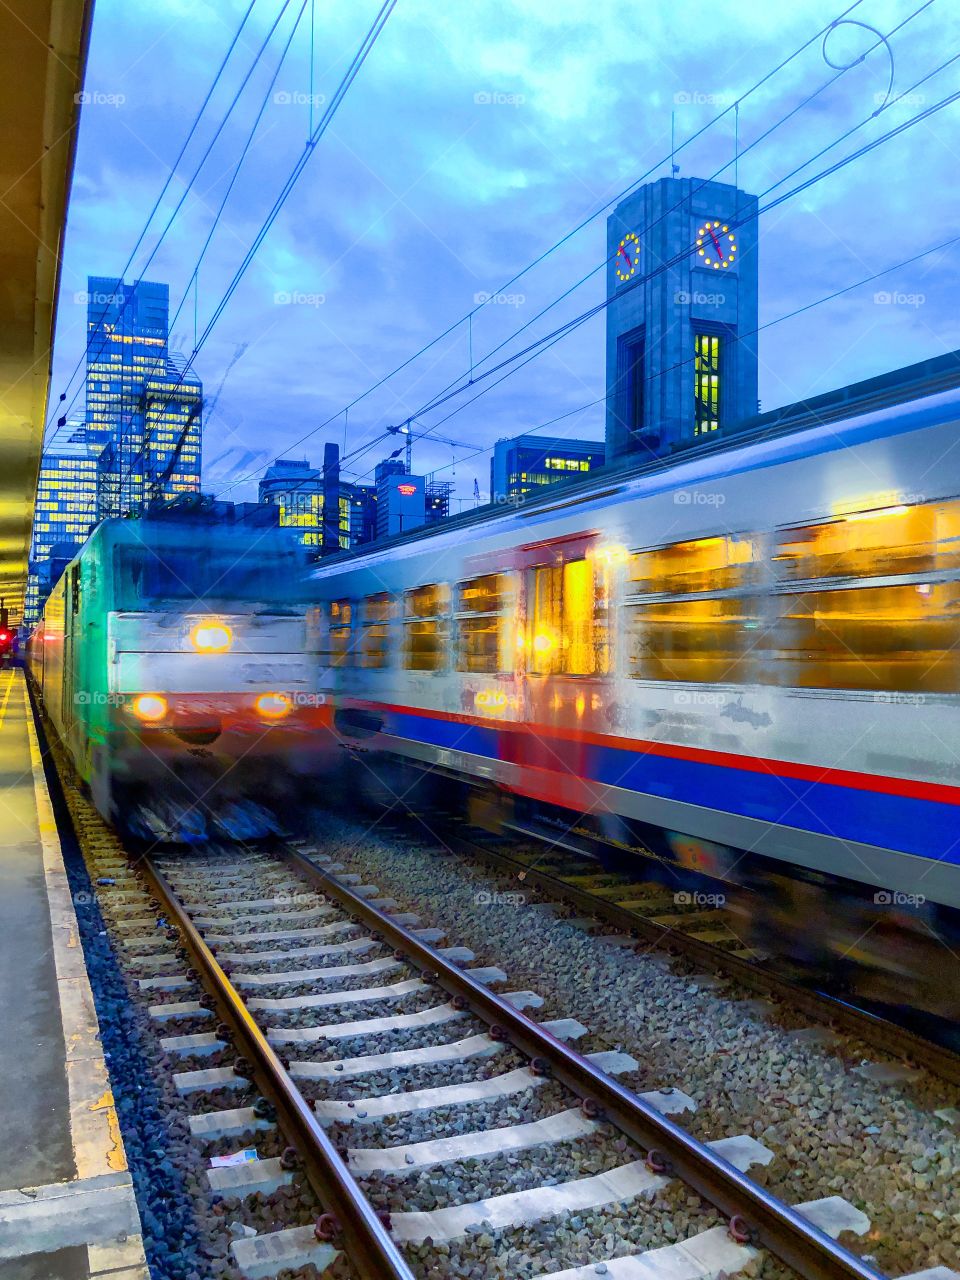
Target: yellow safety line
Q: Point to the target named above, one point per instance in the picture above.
(6, 699)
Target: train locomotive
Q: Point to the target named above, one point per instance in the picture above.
(742, 665)
(173, 665)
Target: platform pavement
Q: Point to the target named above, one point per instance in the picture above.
(67, 1207)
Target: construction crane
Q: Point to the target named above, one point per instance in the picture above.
(404, 430)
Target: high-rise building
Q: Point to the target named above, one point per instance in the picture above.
(401, 500)
(521, 465)
(682, 317)
(66, 506)
(141, 396)
(296, 489)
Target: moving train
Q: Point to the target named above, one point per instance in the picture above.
(173, 664)
(742, 664)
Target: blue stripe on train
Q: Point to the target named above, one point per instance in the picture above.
(923, 827)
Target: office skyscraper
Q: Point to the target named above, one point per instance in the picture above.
(140, 397)
(65, 509)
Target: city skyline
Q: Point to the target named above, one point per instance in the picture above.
(541, 125)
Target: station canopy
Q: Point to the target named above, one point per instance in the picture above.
(42, 61)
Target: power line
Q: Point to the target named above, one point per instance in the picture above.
(823, 31)
(170, 176)
(768, 324)
(332, 107)
(548, 340)
(442, 397)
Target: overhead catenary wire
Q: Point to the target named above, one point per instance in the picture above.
(343, 87)
(541, 257)
(689, 360)
(548, 340)
(458, 382)
(156, 205)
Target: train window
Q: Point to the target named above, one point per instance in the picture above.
(705, 564)
(427, 602)
(481, 625)
(375, 633)
(341, 616)
(862, 544)
(700, 640)
(569, 633)
(425, 627)
(482, 595)
(377, 608)
(885, 639)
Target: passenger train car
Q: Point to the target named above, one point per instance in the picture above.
(173, 665)
(744, 662)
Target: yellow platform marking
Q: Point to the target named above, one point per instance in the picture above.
(95, 1128)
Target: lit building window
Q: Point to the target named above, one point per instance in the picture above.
(706, 383)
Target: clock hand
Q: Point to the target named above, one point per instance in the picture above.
(716, 244)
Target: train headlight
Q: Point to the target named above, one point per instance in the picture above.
(273, 706)
(211, 637)
(149, 707)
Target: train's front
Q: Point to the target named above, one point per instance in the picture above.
(213, 684)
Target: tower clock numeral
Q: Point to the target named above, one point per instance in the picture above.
(716, 245)
(628, 256)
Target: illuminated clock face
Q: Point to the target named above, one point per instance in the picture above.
(716, 245)
(628, 256)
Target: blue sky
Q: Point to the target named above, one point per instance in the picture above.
(476, 135)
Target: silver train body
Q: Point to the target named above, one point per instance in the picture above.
(755, 651)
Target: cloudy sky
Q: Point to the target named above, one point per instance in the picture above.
(477, 135)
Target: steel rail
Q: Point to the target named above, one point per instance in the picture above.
(367, 1241)
(770, 1222)
(887, 1036)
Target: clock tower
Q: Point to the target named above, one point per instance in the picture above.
(682, 315)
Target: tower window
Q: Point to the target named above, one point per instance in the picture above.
(631, 380)
(706, 393)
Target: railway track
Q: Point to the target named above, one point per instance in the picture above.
(496, 1026)
(443, 1129)
(568, 871)
(290, 962)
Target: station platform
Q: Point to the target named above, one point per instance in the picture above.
(67, 1206)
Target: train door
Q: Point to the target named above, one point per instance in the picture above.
(567, 654)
